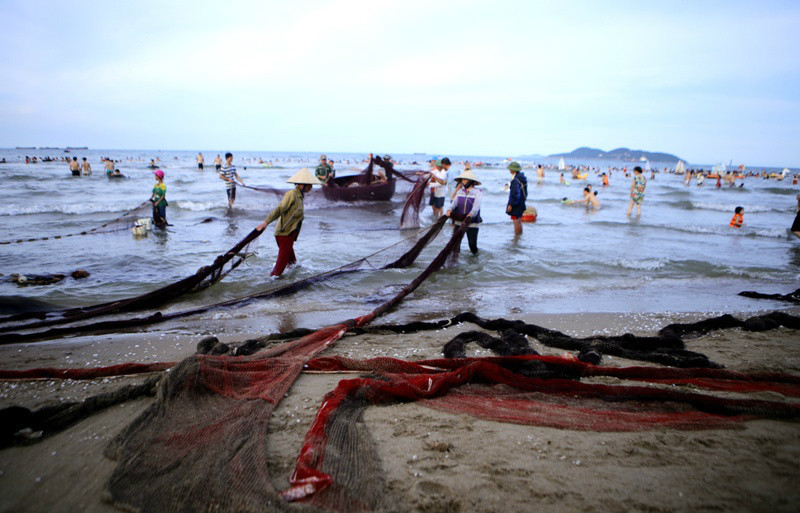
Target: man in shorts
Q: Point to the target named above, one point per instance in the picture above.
(228, 173)
(438, 188)
(201, 161)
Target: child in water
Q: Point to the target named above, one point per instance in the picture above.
(738, 218)
(159, 199)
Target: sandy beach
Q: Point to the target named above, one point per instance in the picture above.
(434, 461)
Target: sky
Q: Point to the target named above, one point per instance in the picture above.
(709, 81)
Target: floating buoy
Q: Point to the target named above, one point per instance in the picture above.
(529, 216)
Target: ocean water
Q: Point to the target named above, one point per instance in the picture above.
(680, 256)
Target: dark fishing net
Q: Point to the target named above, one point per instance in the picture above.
(370, 262)
(124, 222)
(203, 278)
(410, 216)
(58, 415)
(791, 297)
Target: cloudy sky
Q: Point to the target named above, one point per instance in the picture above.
(708, 81)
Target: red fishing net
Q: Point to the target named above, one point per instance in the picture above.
(202, 444)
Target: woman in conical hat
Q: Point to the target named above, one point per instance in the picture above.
(289, 214)
(466, 207)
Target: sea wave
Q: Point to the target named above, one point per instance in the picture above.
(198, 206)
(782, 191)
(77, 208)
(729, 207)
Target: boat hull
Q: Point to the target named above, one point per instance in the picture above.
(382, 191)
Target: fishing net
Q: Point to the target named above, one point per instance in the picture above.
(201, 446)
(791, 297)
(124, 222)
(410, 216)
(203, 278)
(370, 262)
(531, 390)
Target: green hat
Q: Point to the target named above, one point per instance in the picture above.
(437, 162)
(514, 166)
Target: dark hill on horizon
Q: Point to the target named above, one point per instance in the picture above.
(624, 154)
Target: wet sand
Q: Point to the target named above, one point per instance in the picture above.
(436, 461)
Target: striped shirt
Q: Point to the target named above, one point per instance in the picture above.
(229, 173)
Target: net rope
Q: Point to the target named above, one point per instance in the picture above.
(125, 219)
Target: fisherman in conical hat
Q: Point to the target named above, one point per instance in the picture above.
(289, 214)
(466, 207)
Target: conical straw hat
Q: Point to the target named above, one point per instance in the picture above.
(304, 176)
(467, 174)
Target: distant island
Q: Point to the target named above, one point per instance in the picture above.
(624, 154)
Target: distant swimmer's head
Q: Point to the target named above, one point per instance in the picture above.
(84, 158)
(514, 166)
(595, 193)
(75, 158)
(159, 173)
(739, 210)
(587, 189)
(637, 169)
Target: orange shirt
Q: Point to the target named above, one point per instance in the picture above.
(737, 220)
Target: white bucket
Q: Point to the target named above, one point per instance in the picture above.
(145, 221)
(139, 230)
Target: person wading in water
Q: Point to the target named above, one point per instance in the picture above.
(466, 207)
(289, 214)
(517, 194)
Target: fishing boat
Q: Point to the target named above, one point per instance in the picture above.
(349, 188)
(363, 186)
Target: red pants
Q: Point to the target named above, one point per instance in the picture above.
(285, 252)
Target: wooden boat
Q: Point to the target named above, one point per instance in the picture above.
(348, 188)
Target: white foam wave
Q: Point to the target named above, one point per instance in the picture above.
(77, 208)
(643, 265)
(199, 206)
(729, 207)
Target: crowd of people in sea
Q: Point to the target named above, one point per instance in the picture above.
(459, 188)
